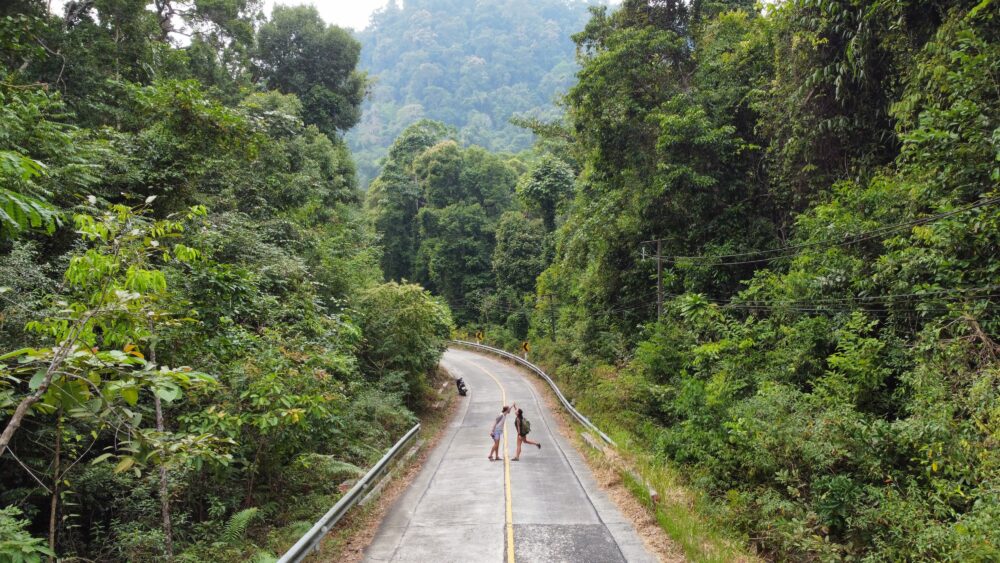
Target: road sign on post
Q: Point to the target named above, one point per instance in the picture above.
(525, 347)
(479, 336)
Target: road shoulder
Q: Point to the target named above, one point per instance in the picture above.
(623, 514)
(357, 531)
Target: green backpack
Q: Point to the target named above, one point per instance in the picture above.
(525, 426)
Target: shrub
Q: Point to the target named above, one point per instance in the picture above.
(405, 330)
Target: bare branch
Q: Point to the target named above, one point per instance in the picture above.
(30, 472)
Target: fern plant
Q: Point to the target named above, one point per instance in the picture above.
(237, 525)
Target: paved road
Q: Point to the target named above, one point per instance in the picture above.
(460, 507)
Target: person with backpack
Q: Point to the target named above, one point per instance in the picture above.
(497, 431)
(523, 426)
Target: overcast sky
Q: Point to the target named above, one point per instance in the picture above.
(345, 13)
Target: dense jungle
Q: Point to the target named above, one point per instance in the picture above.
(758, 243)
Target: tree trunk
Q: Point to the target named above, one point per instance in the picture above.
(63, 352)
(54, 507)
(164, 488)
(26, 403)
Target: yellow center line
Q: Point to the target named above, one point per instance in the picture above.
(506, 472)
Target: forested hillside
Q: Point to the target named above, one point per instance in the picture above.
(760, 249)
(819, 183)
(470, 65)
(196, 348)
(759, 245)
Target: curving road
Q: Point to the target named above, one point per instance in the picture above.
(462, 507)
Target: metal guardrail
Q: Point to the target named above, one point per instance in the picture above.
(538, 371)
(310, 541)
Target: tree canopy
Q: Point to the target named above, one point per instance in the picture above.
(470, 65)
(300, 54)
(192, 314)
(436, 206)
(756, 242)
(818, 183)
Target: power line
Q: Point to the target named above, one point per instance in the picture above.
(788, 251)
(871, 303)
(943, 293)
(837, 310)
(868, 303)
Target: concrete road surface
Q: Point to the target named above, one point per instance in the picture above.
(462, 507)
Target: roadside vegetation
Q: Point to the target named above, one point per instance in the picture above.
(818, 181)
(196, 346)
(758, 245)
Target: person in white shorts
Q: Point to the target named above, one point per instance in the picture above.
(497, 431)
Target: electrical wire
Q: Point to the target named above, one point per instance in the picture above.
(943, 294)
(789, 250)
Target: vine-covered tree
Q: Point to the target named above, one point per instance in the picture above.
(821, 186)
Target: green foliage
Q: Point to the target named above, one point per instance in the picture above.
(327, 469)
(405, 332)
(546, 188)
(454, 255)
(518, 258)
(471, 65)
(19, 212)
(299, 54)
(114, 142)
(436, 206)
(93, 369)
(659, 165)
(42, 160)
(838, 68)
(237, 525)
(394, 198)
(819, 178)
(822, 181)
(16, 544)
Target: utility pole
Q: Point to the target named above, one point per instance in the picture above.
(659, 279)
(659, 274)
(552, 316)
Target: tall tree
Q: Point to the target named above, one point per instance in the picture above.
(546, 188)
(300, 54)
(436, 205)
(395, 197)
(519, 256)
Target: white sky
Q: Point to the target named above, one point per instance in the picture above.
(345, 13)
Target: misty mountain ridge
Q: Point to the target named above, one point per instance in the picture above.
(471, 65)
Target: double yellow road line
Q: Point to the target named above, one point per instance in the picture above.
(506, 472)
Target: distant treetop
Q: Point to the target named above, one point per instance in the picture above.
(470, 65)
